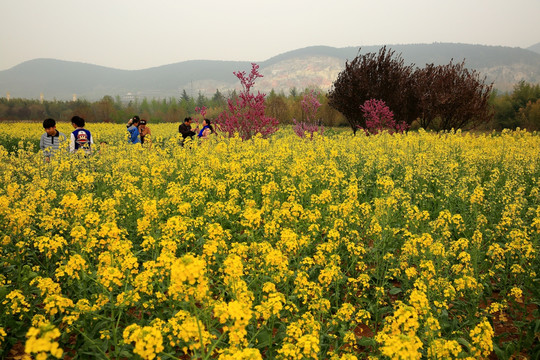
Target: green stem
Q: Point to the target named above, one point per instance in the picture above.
(209, 353)
(93, 343)
(169, 356)
(194, 310)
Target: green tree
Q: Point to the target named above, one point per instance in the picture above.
(523, 94)
(83, 108)
(516, 109)
(276, 107)
(145, 109)
(530, 116)
(293, 93)
(4, 110)
(504, 114)
(201, 100)
(218, 100)
(104, 109)
(37, 111)
(330, 116)
(185, 96)
(187, 103)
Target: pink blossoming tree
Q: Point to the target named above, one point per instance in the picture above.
(201, 110)
(379, 117)
(245, 113)
(310, 104)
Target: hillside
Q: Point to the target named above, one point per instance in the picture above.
(535, 48)
(316, 66)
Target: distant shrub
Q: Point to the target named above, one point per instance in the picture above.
(310, 104)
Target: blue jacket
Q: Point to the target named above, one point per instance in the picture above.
(134, 134)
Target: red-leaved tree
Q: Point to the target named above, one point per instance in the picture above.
(452, 96)
(310, 104)
(245, 113)
(374, 76)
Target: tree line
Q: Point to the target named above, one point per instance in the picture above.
(519, 108)
(284, 107)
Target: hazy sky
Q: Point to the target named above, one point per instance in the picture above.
(137, 34)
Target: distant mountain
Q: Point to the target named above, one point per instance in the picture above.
(535, 48)
(61, 79)
(315, 66)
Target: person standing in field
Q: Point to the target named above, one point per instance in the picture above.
(50, 141)
(133, 130)
(144, 132)
(81, 138)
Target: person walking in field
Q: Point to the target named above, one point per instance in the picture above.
(51, 140)
(81, 138)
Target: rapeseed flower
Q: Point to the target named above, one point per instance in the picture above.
(148, 340)
(248, 238)
(41, 342)
(482, 339)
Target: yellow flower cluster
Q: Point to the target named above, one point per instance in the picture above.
(3, 335)
(148, 340)
(15, 303)
(302, 339)
(396, 245)
(482, 339)
(41, 342)
(188, 278)
(272, 304)
(238, 316)
(187, 332)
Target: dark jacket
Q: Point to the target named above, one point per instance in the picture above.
(185, 130)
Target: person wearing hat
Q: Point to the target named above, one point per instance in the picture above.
(144, 130)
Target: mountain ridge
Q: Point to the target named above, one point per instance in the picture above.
(535, 48)
(313, 66)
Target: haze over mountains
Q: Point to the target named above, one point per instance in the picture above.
(316, 66)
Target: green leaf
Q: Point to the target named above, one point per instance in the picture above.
(367, 341)
(395, 290)
(464, 342)
(499, 352)
(264, 338)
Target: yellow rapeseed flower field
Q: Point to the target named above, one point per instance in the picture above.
(412, 246)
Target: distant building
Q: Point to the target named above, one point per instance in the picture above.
(129, 97)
